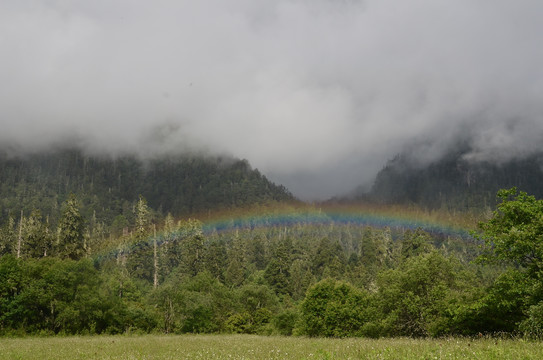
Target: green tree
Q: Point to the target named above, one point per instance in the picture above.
(8, 237)
(192, 247)
(119, 224)
(123, 301)
(215, 259)
(51, 295)
(300, 278)
(329, 254)
(334, 308)
(415, 243)
(503, 305)
(256, 252)
(237, 264)
(514, 235)
(70, 231)
(140, 260)
(142, 218)
(375, 249)
(277, 273)
(198, 304)
(36, 238)
(169, 224)
(515, 232)
(256, 306)
(11, 285)
(416, 298)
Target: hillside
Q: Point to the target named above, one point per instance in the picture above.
(453, 182)
(108, 187)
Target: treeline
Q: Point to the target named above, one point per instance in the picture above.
(108, 187)
(305, 279)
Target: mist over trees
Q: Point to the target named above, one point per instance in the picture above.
(108, 187)
(319, 112)
(455, 181)
(102, 236)
(94, 245)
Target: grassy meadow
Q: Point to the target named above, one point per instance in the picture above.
(261, 347)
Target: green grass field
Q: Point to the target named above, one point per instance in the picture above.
(259, 347)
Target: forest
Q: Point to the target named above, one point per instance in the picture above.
(166, 274)
(323, 171)
(107, 186)
(454, 182)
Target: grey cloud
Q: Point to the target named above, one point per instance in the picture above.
(317, 94)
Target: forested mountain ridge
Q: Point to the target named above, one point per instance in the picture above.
(454, 182)
(108, 187)
(334, 277)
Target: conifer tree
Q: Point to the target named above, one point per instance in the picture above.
(235, 271)
(36, 240)
(169, 225)
(142, 218)
(140, 262)
(215, 259)
(8, 237)
(415, 243)
(192, 247)
(277, 273)
(70, 231)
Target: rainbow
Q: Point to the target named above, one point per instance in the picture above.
(380, 217)
(397, 218)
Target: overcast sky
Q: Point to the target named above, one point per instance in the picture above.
(317, 94)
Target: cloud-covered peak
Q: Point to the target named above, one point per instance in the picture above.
(317, 94)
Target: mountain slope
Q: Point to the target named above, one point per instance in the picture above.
(108, 187)
(453, 182)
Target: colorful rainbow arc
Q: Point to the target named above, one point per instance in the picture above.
(224, 223)
(332, 217)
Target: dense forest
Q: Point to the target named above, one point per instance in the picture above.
(108, 187)
(97, 245)
(317, 279)
(454, 182)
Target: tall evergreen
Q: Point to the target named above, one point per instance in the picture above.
(36, 238)
(8, 237)
(70, 231)
(142, 217)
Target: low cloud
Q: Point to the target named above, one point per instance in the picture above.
(316, 94)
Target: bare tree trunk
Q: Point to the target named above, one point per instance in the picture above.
(155, 277)
(20, 239)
